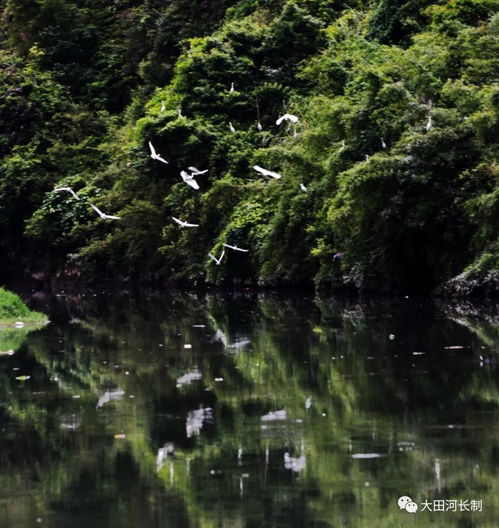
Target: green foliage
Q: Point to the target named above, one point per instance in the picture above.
(405, 203)
(12, 308)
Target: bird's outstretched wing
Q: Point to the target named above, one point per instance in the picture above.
(159, 158)
(104, 215)
(67, 189)
(97, 210)
(235, 248)
(217, 260)
(197, 172)
(184, 224)
(287, 117)
(266, 172)
(193, 183)
(153, 152)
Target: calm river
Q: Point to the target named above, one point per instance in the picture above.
(246, 411)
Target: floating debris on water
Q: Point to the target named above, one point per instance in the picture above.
(196, 419)
(189, 377)
(274, 415)
(109, 395)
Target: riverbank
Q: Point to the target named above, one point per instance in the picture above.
(13, 312)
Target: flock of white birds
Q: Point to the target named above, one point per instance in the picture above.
(189, 175)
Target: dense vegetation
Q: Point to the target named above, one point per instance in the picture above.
(396, 144)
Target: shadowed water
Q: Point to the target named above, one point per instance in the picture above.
(245, 411)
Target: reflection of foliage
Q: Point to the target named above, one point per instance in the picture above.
(369, 394)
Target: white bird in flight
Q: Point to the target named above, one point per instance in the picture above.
(235, 248)
(303, 188)
(67, 189)
(287, 117)
(217, 260)
(181, 223)
(154, 155)
(104, 215)
(266, 172)
(197, 172)
(189, 179)
(232, 129)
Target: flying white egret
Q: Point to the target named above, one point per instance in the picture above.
(287, 117)
(259, 126)
(232, 129)
(155, 155)
(303, 188)
(197, 172)
(235, 248)
(429, 124)
(231, 87)
(217, 260)
(67, 189)
(181, 223)
(163, 106)
(383, 144)
(343, 146)
(189, 179)
(104, 215)
(266, 172)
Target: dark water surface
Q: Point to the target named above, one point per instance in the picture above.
(250, 411)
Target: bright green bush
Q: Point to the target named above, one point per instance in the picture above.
(12, 308)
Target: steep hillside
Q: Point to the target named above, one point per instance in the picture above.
(389, 176)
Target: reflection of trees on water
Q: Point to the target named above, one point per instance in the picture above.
(366, 394)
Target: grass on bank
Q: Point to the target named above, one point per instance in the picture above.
(13, 309)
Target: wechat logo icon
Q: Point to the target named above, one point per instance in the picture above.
(407, 504)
